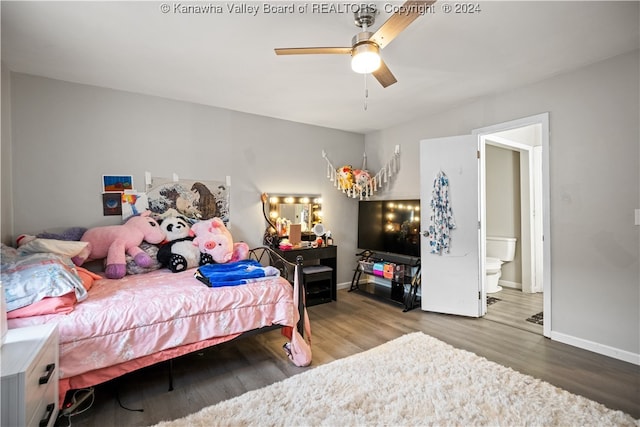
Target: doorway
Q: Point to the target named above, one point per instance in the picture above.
(515, 160)
(452, 178)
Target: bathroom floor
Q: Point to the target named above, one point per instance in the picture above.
(513, 308)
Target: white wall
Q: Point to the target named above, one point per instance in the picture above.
(595, 187)
(66, 136)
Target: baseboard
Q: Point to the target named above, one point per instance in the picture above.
(511, 285)
(344, 285)
(595, 347)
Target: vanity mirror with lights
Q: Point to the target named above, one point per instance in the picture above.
(320, 261)
(287, 209)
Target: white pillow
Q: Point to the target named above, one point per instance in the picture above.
(60, 247)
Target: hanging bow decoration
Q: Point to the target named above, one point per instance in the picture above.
(358, 183)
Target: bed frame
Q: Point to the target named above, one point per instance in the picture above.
(267, 256)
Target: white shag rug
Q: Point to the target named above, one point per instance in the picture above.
(414, 380)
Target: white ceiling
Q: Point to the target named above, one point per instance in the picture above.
(227, 60)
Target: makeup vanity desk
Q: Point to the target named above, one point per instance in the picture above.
(324, 256)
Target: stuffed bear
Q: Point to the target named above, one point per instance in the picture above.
(212, 237)
(114, 241)
(177, 252)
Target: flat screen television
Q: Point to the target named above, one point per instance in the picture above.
(390, 226)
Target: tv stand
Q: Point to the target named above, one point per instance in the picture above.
(398, 293)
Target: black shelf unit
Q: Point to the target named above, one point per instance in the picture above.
(398, 291)
(318, 293)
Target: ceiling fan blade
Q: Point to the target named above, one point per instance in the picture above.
(314, 50)
(408, 12)
(384, 75)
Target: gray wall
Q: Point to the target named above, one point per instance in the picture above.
(595, 187)
(66, 136)
(6, 205)
(503, 204)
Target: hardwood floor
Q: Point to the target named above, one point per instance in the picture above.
(514, 308)
(356, 322)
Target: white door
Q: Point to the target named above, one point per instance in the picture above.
(451, 282)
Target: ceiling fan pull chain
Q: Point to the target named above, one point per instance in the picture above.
(366, 92)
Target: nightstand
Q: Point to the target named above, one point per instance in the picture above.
(29, 390)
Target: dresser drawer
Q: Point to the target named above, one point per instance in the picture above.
(44, 412)
(40, 383)
(45, 409)
(30, 376)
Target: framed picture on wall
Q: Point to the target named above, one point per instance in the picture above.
(111, 204)
(117, 183)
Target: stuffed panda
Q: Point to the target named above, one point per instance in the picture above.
(178, 253)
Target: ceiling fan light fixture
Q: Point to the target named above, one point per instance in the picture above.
(365, 58)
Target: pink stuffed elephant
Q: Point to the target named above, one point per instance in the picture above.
(212, 237)
(114, 241)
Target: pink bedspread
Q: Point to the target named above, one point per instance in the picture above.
(141, 315)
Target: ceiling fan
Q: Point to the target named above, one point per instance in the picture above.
(365, 46)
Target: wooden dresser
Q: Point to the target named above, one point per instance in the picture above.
(29, 390)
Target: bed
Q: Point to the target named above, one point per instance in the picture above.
(143, 319)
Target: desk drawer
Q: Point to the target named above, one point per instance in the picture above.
(322, 252)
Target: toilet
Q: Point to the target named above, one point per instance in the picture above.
(499, 251)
